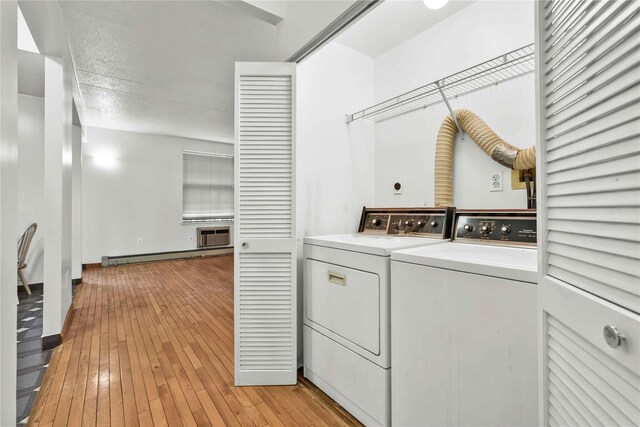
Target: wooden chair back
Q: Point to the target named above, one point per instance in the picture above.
(24, 242)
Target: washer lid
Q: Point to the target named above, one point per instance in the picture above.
(374, 245)
(497, 261)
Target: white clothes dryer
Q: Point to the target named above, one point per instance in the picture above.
(346, 330)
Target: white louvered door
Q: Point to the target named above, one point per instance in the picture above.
(265, 246)
(588, 82)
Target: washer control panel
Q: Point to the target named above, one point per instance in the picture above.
(423, 222)
(509, 228)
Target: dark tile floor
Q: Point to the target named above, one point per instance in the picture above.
(32, 361)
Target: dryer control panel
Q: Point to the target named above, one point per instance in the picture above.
(415, 222)
(506, 228)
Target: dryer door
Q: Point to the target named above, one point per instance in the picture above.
(345, 301)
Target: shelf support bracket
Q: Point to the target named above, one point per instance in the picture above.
(446, 101)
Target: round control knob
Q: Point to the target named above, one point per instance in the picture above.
(505, 229)
(421, 223)
(408, 223)
(433, 224)
(468, 227)
(485, 229)
(376, 222)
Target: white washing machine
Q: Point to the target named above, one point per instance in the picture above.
(464, 325)
(346, 329)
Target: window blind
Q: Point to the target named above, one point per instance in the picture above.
(207, 191)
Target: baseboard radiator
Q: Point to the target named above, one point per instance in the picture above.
(163, 256)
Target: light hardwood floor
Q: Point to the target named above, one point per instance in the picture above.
(152, 344)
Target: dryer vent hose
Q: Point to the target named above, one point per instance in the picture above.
(499, 150)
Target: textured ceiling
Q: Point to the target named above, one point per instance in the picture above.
(162, 67)
(394, 22)
(167, 67)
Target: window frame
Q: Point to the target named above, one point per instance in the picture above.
(205, 218)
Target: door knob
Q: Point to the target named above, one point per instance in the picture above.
(245, 245)
(612, 336)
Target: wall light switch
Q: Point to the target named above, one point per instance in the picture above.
(496, 182)
(139, 241)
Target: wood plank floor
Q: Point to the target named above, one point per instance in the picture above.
(152, 344)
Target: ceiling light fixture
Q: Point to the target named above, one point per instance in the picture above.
(435, 4)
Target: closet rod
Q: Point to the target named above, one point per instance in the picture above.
(505, 67)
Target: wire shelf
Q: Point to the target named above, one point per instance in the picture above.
(497, 70)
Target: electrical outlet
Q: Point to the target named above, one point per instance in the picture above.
(496, 182)
(397, 186)
(139, 241)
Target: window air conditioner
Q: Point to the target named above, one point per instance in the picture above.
(214, 236)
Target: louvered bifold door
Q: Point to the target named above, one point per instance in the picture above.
(265, 247)
(588, 88)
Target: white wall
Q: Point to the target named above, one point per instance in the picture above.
(335, 161)
(8, 211)
(31, 180)
(405, 145)
(56, 227)
(137, 195)
(76, 204)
